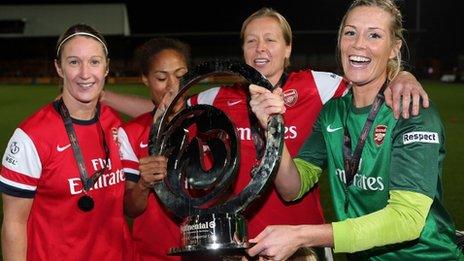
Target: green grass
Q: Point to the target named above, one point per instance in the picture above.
(17, 102)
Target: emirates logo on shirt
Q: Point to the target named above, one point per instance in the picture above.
(290, 97)
(379, 134)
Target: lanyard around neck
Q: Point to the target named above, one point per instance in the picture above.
(86, 181)
(351, 161)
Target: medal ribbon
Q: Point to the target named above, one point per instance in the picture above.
(86, 181)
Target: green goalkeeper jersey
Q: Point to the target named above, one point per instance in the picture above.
(403, 155)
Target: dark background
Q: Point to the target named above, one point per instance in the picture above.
(434, 31)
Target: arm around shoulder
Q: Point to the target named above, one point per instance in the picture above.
(403, 89)
(130, 105)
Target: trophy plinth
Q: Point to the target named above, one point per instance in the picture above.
(224, 233)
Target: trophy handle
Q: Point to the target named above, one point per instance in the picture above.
(172, 196)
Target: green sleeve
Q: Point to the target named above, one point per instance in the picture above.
(417, 153)
(401, 220)
(314, 148)
(309, 176)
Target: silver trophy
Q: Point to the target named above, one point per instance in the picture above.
(197, 193)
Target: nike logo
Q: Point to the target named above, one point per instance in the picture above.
(329, 129)
(143, 145)
(232, 103)
(61, 149)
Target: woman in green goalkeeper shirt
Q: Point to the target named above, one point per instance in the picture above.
(385, 174)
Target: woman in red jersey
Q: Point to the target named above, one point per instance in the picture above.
(162, 62)
(61, 180)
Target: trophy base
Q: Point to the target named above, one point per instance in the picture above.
(213, 234)
(204, 251)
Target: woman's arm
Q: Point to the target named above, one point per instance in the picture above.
(265, 103)
(403, 89)
(152, 169)
(292, 179)
(128, 104)
(401, 220)
(14, 228)
(135, 198)
(287, 180)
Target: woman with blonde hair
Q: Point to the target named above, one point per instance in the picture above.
(385, 173)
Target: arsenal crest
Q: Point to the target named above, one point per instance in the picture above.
(290, 97)
(379, 134)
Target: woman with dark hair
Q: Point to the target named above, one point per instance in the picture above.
(162, 62)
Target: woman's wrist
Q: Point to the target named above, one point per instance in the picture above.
(144, 186)
(315, 235)
(303, 233)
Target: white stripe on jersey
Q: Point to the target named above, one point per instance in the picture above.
(131, 171)
(21, 155)
(126, 150)
(208, 96)
(327, 84)
(17, 185)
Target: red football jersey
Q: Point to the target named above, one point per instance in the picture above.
(305, 92)
(39, 163)
(154, 231)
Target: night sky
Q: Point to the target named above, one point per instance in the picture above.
(194, 16)
(436, 30)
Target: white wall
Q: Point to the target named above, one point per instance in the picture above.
(52, 20)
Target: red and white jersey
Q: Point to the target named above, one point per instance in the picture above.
(154, 231)
(39, 163)
(305, 92)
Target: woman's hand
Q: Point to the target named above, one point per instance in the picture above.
(400, 92)
(265, 103)
(277, 242)
(152, 169)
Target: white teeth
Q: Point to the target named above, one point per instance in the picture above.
(359, 59)
(85, 85)
(261, 61)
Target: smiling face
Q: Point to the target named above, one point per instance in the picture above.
(366, 45)
(264, 47)
(166, 69)
(83, 66)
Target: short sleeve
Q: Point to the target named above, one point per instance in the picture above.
(130, 162)
(329, 85)
(21, 166)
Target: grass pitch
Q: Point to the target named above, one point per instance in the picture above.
(18, 101)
